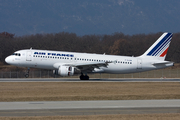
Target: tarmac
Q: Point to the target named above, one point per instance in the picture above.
(54, 108)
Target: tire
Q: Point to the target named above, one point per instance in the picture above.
(26, 75)
(82, 77)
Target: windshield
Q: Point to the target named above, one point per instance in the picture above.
(16, 54)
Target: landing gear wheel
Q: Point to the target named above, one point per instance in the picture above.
(26, 75)
(86, 77)
(82, 77)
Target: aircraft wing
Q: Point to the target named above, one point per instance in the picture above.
(89, 67)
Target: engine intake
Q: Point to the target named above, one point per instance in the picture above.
(64, 71)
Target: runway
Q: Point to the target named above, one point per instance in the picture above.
(54, 108)
(91, 80)
(65, 108)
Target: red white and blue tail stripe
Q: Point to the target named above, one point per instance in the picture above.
(160, 47)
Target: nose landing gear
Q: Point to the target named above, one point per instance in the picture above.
(27, 73)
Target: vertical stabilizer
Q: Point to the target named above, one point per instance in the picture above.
(159, 49)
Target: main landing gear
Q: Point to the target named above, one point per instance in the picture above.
(84, 77)
(27, 73)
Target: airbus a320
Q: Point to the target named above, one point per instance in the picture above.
(69, 63)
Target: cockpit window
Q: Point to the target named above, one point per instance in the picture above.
(16, 54)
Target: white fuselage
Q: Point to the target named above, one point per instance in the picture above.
(45, 59)
(69, 63)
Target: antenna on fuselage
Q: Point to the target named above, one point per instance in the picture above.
(31, 48)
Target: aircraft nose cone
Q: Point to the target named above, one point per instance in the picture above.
(8, 60)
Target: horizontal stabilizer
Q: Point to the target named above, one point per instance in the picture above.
(162, 62)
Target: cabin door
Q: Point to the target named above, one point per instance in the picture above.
(28, 56)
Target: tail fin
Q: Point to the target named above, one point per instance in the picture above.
(159, 49)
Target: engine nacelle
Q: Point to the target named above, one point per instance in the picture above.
(64, 71)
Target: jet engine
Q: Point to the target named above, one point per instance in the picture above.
(64, 71)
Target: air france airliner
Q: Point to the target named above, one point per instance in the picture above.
(69, 63)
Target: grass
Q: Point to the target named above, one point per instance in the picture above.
(70, 91)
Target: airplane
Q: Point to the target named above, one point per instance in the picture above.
(69, 63)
